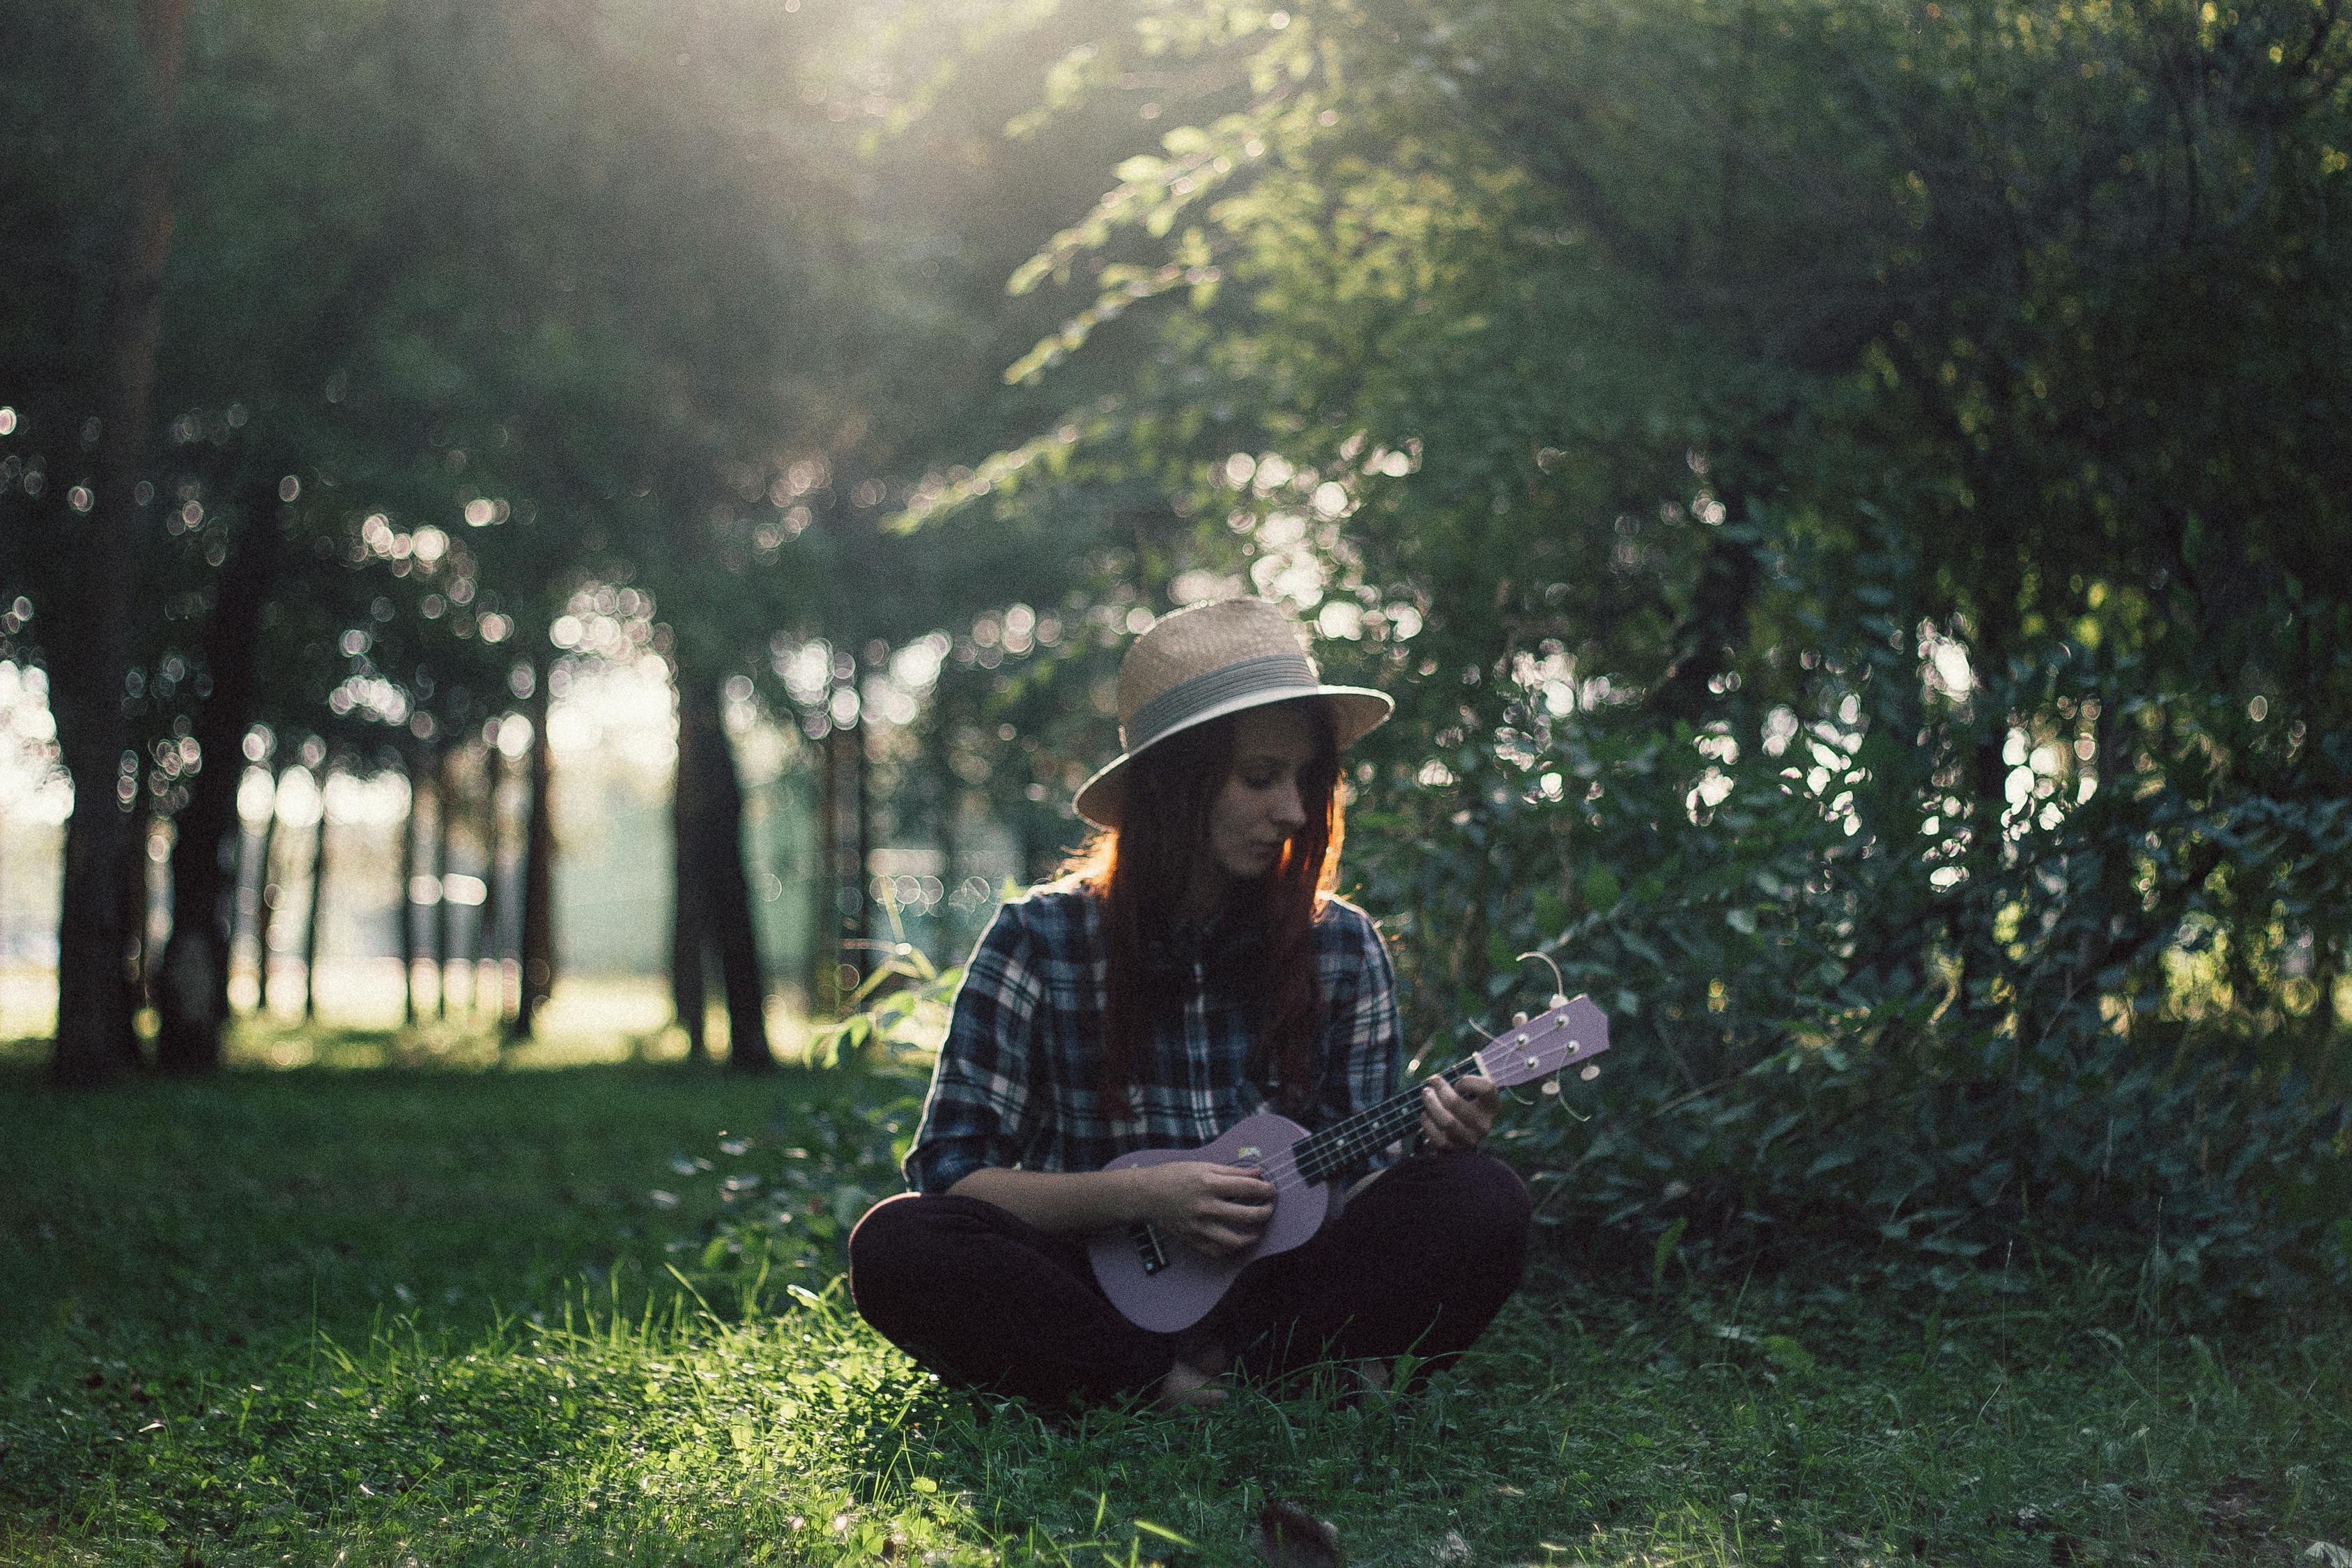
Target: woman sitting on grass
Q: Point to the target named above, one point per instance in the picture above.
(1192, 968)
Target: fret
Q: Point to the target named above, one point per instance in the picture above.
(1324, 1154)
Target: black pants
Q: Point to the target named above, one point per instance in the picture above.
(1421, 1261)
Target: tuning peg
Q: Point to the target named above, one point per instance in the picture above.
(1559, 997)
(1518, 1020)
(1551, 1086)
(1591, 1070)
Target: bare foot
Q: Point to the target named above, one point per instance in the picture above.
(1189, 1386)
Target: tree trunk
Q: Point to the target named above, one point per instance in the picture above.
(538, 937)
(859, 856)
(96, 1038)
(824, 886)
(264, 906)
(191, 982)
(191, 989)
(488, 946)
(310, 915)
(137, 899)
(711, 882)
(734, 934)
(845, 858)
(1729, 575)
(441, 791)
(405, 903)
(463, 921)
(689, 996)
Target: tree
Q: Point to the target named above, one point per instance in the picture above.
(631, 186)
(1776, 473)
(192, 982)
(103, 287)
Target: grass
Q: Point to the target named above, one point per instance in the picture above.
(449, 1314)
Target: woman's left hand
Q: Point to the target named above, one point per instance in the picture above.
(1457, 1115)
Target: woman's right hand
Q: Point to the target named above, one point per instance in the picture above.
(1214, 1209)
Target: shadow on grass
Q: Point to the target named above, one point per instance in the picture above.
(386, 1172)
(408, 1304)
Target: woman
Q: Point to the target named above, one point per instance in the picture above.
(1192, 968)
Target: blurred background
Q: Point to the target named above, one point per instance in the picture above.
(628, 512)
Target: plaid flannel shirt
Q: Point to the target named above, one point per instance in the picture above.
(1016, 1080)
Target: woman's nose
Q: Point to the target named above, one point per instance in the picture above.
(1288, 809)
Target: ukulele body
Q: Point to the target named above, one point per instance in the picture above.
(1159, 1284)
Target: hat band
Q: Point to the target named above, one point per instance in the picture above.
(1289, 674)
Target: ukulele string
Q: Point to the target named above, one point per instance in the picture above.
(1381, 1124)
(1283, 1170)
(1393, 1118)
(1338, 1146)
(1384, 1124)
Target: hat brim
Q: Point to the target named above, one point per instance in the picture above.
(1356, 712)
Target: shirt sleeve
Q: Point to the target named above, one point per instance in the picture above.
(981, 1104)
(1363, 1042)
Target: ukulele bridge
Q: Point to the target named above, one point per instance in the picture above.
(1148, 1249)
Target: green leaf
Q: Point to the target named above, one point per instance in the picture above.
(1601, 889)
(1552, 913)
(1668, 1240)
(1830, 1161)
(1741, 920)
(1633, 944)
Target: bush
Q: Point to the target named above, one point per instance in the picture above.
(1842, 1015)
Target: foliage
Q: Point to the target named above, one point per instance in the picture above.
(1841, 494)
(1838, 589)
(494, 1365)
(1806, 1054)
(901, 1008)
(476, 318)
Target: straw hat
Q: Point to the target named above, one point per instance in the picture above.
(1205, 662)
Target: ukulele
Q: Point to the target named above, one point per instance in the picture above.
(1161, 1285)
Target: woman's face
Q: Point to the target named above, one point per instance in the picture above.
(1262, 802)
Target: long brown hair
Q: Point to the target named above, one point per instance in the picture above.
(1139, 871)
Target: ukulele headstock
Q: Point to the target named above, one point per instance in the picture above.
(1572, 1032)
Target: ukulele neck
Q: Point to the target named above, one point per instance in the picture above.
(1325, 1154)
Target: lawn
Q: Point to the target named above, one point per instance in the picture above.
(449, 1310)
